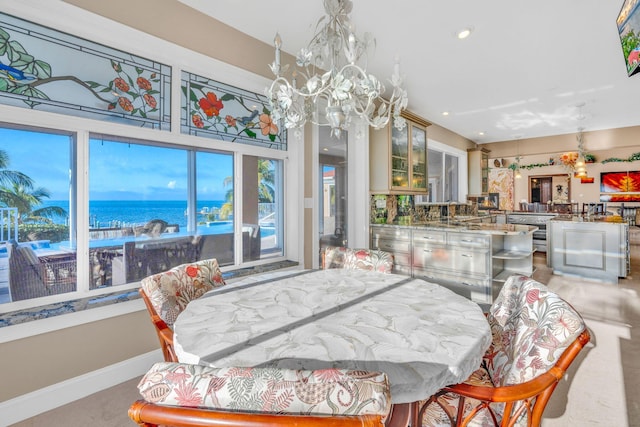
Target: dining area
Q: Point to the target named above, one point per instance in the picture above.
(349, 344)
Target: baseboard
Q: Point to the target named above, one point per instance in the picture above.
(31, 404)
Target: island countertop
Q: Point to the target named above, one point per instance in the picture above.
(462, 226)
(594, 250)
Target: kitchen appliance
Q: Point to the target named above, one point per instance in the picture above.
(536, 219)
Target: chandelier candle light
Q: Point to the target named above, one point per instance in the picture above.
(581, 170)
(345, 90)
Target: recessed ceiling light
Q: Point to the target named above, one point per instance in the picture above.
(481, 133)
(445, 113)
(325, 149)
(464, 33)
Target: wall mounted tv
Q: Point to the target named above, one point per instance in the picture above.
(629, 30)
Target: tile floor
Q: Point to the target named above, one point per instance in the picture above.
(600, 390)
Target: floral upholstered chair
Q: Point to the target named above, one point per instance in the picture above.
(334, 257)
(166, 295)
(185, 395)
(357, 259)
(535, 337)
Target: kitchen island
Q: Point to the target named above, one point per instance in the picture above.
(596, 249)
(467, 257)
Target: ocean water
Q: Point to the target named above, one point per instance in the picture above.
(116, 213)
(126, 213)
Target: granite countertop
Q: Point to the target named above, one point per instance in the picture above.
(462, 226)
(594, 218)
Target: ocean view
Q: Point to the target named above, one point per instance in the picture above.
(114, 213)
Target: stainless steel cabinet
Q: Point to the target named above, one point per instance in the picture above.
(460, 261)
(593, 250)
(512, 254)
(397, 241)
(469, 263)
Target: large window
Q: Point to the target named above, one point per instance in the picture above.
(151, 207)
(444, 174)
(137, 211)
(262, 203)
(37, 252)
(106, 190)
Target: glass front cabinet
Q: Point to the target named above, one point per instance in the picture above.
(398, 158)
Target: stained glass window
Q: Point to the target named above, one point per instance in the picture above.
(215, 110)
(47, 70)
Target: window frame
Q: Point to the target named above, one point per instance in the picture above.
(119, 36)
(462, 169)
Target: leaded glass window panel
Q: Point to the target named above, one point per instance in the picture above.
(48, 70)
(216, 110)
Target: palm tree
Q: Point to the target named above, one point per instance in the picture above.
(25, 198)
(227, 208)
(266, 181)
(10, 176)
(266, 190)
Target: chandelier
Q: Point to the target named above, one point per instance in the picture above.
(333, 88)
(581, 169)
(575, 161)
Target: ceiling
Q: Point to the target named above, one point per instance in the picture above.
(528, 69)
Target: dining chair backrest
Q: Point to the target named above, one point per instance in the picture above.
(166, 295)
(536, 335)
(357, 259)
(531, 327)
(177, 394)
(593, 208)
(170, 291)
(334, 257)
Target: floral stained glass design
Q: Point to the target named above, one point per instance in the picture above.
(48, 70)
(215, 110)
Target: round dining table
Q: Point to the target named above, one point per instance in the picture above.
(422, 335)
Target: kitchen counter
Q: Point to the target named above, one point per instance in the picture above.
(597, 249)
(463, 226)
(614, 219)
(467, 257)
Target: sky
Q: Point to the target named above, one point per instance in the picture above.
(118, 171)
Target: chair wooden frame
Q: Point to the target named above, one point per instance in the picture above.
(150, 415)
(165, 333)
(534, 393)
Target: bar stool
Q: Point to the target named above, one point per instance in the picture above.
(593, 208)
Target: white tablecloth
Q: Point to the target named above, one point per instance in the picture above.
(421, 334)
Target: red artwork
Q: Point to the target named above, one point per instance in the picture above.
(620, 182)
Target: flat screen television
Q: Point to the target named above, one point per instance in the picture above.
(629, 30)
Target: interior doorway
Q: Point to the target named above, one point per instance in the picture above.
(550, 189)
(332, 159)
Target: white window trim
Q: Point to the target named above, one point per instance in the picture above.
(102, 30)
(463, 185)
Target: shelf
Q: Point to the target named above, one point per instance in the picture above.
(512, 254)
(505, 274)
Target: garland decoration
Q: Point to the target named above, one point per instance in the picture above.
(513, 166)
(632, 158)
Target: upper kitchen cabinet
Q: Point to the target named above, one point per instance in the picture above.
(398, 158)
(478, 161)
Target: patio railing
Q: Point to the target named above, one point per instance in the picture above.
(8, 224)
